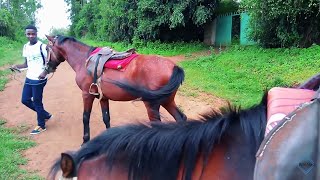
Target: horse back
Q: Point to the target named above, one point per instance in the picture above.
(290, 150)
(149, 71)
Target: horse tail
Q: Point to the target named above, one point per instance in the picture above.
(158, 95)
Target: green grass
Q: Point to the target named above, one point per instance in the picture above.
(10, 154)
(11, 144)
(10, 53)
(164, 49)
(241, 74)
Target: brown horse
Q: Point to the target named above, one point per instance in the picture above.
(219, 146)
(152, 78)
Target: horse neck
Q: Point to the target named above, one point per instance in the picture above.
(76, 55)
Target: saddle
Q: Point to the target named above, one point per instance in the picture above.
(282, 101)
(96, 63)
(291, 150)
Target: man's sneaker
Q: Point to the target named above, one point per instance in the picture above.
(49, 117)
(37, 130)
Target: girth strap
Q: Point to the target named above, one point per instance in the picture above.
(95, 79)
(95, 76)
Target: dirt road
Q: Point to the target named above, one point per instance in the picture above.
(64, 132)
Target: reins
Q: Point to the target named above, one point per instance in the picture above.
(15, 74)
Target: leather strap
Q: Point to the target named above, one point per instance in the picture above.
(44, 62)
(95, 76)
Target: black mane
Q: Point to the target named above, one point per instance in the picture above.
(61, 39)
(158, 151)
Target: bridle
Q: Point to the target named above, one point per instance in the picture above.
(52, 65)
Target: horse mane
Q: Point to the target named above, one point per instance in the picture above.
(61, 39)
(158, 150)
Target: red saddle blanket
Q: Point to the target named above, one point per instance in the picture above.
(282, 101)
(118, 64)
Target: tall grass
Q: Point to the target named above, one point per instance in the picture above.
(10, 53)
(241, 74)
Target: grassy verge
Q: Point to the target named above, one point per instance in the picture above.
(10, 53)
(168, 49)
(10, 154)
(241, 74)
(11, 144)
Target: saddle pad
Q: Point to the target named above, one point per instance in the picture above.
(282, 101)
(119, 64)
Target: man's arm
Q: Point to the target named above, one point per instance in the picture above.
(21, 66)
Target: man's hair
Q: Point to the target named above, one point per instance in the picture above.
(30, 26)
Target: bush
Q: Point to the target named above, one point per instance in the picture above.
(284, 23)
(7, 25)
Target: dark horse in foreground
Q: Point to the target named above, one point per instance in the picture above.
(152, 78)
(219, 146)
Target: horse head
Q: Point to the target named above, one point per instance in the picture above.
(56, 55)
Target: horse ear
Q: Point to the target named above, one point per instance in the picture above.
(50, 38)
(67, 165)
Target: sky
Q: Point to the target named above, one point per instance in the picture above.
(52, 14)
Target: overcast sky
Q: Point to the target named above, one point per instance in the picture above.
(52, 14)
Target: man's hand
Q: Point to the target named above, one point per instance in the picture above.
(43, 75)
(14, 68)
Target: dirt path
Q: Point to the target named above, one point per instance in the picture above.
(64, 131)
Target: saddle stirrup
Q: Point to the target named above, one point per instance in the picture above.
(94, 93)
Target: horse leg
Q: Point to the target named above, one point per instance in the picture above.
(172, 108)
(87, 107)
(153, 111)
(105, 111)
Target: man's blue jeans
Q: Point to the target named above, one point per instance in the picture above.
(34, 89)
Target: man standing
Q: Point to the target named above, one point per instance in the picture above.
(34, 53)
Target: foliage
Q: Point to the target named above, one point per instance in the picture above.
(10, 53)
(75, 7)
(15, 15)
(227, 6)
(61, 31)
(242, 74)
(164, 49)
(7, 24)
(284, 23)
(120, 20)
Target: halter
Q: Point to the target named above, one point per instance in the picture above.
(51, 65)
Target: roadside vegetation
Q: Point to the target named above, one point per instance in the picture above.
(241, 74)
(10, 53)
(12, 144)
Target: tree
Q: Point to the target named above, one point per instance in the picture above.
(125, 20)
(284, 23)
(15, 15)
